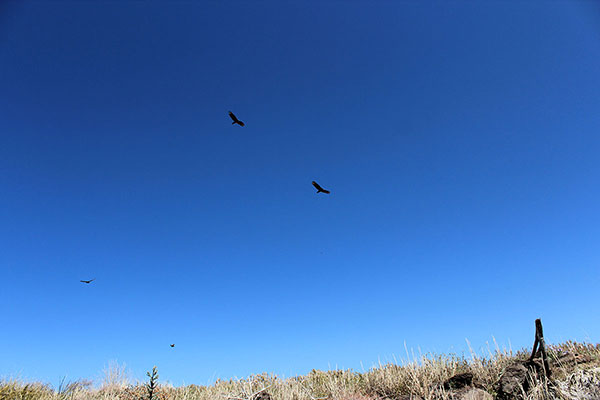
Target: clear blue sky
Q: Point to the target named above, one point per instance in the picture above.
(460, 141)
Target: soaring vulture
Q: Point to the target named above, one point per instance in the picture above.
(90, 281)
(172, 345)
(235, 120)
(319, 188)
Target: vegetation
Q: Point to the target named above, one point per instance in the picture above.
(575, 367)
(152, 386)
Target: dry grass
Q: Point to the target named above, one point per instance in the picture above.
(575, 372)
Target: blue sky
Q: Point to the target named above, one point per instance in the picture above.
(460, 141)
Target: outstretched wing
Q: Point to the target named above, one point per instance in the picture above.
(325, 191)
(316, 185)
(240, 122)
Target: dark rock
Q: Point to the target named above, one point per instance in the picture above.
(459, 381)
(568, 359)
(263, 396)
(516, 379)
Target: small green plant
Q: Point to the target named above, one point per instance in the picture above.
(153, 384)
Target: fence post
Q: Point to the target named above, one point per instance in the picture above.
(539, 342)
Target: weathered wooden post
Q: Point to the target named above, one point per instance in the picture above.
(539, 342)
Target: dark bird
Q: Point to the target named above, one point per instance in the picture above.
(319, 188)
(172, 345)
(90, 281)
(235, 120)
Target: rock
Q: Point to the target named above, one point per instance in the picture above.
(581, 385)
(263, 396)
(515, 380)
(568, 359)
(471, 393)
(463, 387)
(459, 381)
(512, 381)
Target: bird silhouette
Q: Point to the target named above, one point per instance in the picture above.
(319, 188)
(90, 281)
(235, 120)
(172, 345)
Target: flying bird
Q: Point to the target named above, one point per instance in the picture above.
(235, 120)
(319, 188)
(172, 345)
(90, 281)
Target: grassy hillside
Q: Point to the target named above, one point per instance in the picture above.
(575, 375)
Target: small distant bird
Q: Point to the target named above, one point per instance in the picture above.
(235, 120)
(172, 345)
(319, 188)
(90, 281)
